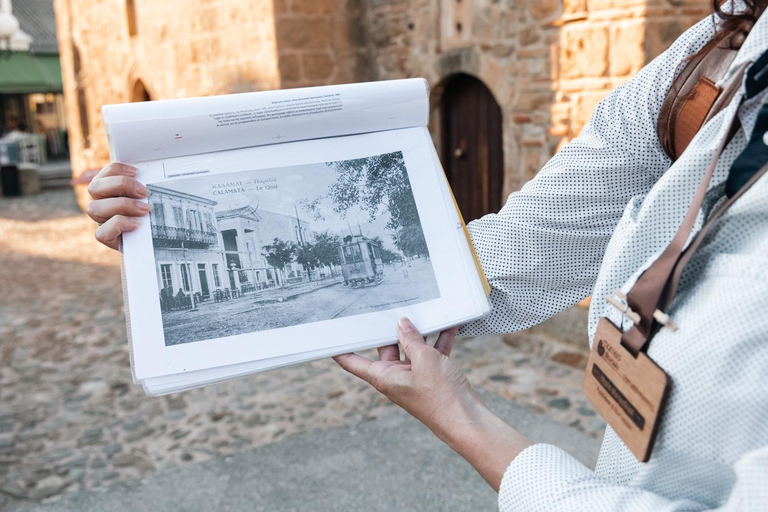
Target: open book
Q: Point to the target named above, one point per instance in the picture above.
(287, 226)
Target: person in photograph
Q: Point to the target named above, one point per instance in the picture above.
(599, 214)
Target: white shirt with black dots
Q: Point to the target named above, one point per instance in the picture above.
(592, 220)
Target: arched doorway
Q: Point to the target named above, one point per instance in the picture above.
(472, 145)
(139, 92)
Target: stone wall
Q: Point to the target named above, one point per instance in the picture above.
(181, 48)
(547, 62)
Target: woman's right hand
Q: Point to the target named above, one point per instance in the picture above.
(116, 205)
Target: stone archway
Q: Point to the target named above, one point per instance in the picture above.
(139, 92)
(472, 144)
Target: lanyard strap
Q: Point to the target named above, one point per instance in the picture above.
(656, 287)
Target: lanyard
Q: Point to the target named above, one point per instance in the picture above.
(627, 387)
(656, 287)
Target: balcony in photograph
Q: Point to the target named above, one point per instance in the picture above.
(169, 236)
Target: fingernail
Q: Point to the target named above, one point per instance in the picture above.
(146, 207)
(142, 190)
(136, 221)
(130, 171)
(406, 325)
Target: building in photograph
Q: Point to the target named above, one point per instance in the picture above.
(199, 250)
(244, 234)
(31, 101)
(187, 243)
(290, 228)
(511, 81)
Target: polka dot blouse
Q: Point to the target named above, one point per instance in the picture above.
(596, 216)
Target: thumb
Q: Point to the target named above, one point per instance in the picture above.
(410, 339)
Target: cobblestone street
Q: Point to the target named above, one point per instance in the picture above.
(71, 417)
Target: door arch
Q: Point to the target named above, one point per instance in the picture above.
(473, 156)
(139, 92)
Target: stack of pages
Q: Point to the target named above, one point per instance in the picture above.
(286, 226)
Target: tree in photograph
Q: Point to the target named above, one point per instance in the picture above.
(307, 257)
(387, 256)
(279, 254)
(410, 240)
(373, 183)
(326, 249)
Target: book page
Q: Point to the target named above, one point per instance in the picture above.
(221, 221)
(171, 128)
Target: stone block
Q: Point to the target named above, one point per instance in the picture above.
(584, 52)
(574, 6)
(528, 101)
(599, 5)
(314, 6)
(627, 53)
(529, 35)
(317, 66)
(303, 34)
(290, 69)
(541, 9)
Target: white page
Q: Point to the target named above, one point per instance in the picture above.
(184, 381)
(171, 128)
(450, 259)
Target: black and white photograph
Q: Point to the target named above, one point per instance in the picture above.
(259, 250)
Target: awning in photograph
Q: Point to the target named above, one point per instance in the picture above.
(24, 72)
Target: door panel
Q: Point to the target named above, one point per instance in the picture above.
(472, 146)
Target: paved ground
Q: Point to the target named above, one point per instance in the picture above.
(393, 464)
(71, 420)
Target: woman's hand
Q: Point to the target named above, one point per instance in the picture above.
(427, 383)
(116, 205)
(430, 386)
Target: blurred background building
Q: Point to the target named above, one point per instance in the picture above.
(32, 119)
(511, 80)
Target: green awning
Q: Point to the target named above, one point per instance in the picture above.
(23, 72)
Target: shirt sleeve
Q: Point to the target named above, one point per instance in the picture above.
(542, 251)
(544, 477)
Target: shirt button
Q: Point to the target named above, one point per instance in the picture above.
(765, 138)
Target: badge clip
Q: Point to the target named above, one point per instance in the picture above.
(621, 306)
(664, 320)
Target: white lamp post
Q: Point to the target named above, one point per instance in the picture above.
(11, 35)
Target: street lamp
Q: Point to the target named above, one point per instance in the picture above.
(9, 25)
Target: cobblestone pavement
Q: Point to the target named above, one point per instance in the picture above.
(70, 417)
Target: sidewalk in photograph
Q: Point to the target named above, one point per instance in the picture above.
(392, 463)
(72, 420)
(272, 309)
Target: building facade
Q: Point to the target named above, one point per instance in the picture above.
(199, 250)
(512, 80)
(32, 109)
(187, 244)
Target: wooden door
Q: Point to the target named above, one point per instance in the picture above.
(472, 145)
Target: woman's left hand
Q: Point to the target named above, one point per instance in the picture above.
(430, 386)
(427, 383)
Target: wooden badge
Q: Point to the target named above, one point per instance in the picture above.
(629, 392)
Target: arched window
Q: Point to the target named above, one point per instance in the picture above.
(139, 92)
(82, 100)
(472, 145)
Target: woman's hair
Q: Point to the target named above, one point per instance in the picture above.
(736, 26)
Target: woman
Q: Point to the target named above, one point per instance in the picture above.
(593, 220)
